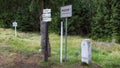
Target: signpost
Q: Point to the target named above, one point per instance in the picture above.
(15, 25)
(66, 11)
(46, 17)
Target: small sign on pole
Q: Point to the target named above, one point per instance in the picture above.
(15, 25)
(46, 15)
(66, 11)
(47, 19)
(46, 11)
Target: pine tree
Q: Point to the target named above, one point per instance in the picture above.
(116, 20)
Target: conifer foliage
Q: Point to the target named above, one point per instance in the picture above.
(98, 19)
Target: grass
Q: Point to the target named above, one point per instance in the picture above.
(105, 54)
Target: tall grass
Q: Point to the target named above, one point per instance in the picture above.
(106, 55)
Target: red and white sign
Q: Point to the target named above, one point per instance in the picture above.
(66, 11)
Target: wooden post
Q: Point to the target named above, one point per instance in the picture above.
(44, 37)
(46, 42)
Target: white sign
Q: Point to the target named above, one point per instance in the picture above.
(14, 24)
(66, 11)
(86, 51)
(47, 19)
(46, 16)
(46, 11)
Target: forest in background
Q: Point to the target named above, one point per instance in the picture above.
(97, 19)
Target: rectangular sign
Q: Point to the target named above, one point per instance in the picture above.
(14, 24)
(47, 19)
(46, 15)
(46, 11)
(66, 11)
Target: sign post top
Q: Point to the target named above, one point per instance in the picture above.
(46, 16)
(15, 24)
(46, 11)
(66, 11)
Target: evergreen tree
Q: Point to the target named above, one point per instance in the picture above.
(116, 20)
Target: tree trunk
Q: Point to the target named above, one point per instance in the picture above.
(49, 48)
(45, 44)
(42, 36)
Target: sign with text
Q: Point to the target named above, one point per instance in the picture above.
(14, 24)
(47, 19)
(46, 16)
(66, 11)
(46, 11)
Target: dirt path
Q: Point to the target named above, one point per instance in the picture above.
(32, 60)
(20, 59)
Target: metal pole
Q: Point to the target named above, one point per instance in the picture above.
(66, 41)
(61, 44)
(15, 32)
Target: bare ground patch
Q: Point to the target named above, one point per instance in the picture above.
(20, 60)
(32, 60)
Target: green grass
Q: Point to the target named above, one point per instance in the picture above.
(105, 55)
